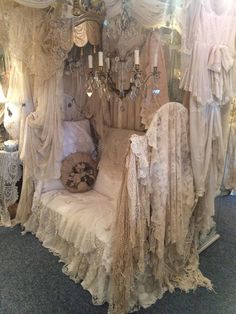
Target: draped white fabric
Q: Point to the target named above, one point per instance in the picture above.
(51, 38)
(149, 13)
(208, 73)
(42, 144)
(39, 42)
(208, 46)
(43, 135)
(38, 4)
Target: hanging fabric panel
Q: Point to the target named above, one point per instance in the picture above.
(149, 13)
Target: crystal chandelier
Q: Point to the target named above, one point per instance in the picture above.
(100, 78)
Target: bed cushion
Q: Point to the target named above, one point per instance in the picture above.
(112, 163)
(77, 138)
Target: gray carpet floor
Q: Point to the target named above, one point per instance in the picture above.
(31, 281)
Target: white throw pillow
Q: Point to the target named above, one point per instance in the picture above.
(77, 138)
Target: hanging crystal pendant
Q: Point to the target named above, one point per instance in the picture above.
(156, 91)
(89, 91)
(133, 93)
(125, 19)
(81, 52)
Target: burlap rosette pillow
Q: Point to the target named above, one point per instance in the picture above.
(78, 172)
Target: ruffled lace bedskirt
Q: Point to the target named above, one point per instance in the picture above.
(89, 265)
(85, 268)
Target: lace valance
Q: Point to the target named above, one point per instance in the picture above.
(40, 40)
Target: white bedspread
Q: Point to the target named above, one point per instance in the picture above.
(82, 217)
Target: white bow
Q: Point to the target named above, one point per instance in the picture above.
(220, 62)
(220, 57)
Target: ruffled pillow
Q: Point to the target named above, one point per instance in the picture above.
(78, 172)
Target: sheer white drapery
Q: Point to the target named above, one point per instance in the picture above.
(149, 13)
(43, 135)
(42, 145)
(208, 73)
(40, 42)
(208, 47)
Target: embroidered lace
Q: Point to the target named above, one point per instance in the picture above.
(10, 174)
(156, 246)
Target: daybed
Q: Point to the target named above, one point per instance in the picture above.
(133, 236)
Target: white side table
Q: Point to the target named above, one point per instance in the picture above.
(10, 174)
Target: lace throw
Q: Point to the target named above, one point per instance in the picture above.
(229, 177)
(154, 241)
(10, 174)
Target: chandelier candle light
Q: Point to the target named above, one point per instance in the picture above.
(2, 97)
(101, 79)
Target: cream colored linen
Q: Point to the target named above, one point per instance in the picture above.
(76, 228)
